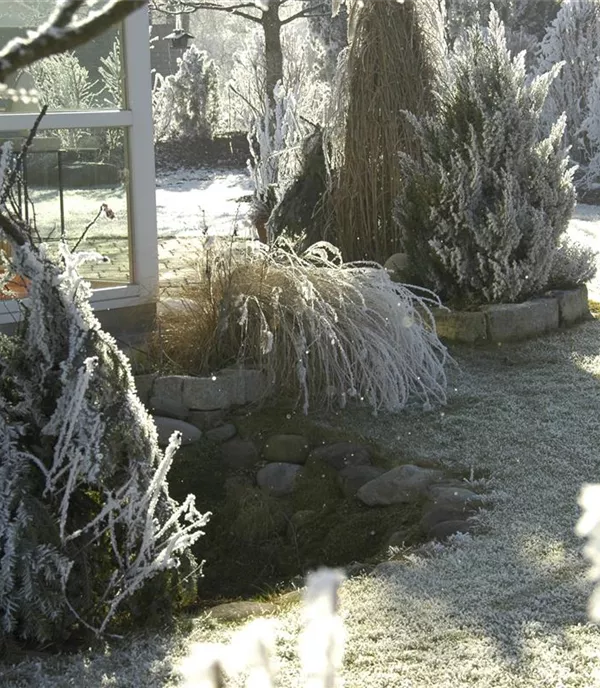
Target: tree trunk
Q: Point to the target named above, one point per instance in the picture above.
(271, 25)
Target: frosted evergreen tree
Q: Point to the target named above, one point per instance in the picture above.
(574, 39)
(483, 210)
(86, 521)
(187, 101)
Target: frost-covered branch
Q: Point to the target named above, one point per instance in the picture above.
(63, 32)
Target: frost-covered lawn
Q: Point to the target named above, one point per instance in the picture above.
(503, 609)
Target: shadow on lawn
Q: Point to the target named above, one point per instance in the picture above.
(528, 415)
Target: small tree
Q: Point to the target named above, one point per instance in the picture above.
(187, 102)
(574, 39)
(483, 210)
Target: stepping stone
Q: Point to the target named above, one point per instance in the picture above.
(278, 479)
(352, 478)
(221, 433)
(167, 426)
(401, 485)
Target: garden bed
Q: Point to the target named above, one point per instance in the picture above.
(508, 322)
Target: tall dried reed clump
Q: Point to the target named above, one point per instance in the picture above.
(389, 67)
(324, 330)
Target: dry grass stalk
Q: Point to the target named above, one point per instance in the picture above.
(323, 330)
(390, 67)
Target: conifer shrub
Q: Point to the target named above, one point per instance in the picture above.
(89, 535)
(185, 104)
(485, 206)
(573, 39)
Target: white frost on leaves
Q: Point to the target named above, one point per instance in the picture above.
(77, 393)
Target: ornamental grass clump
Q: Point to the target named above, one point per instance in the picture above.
(325, 331)
(485, 207)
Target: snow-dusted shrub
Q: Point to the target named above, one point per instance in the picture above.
(574, 39)
(185, 104)
(325, 331)
(572, 264)
(253, 649)
(87, 525)
(483, 210)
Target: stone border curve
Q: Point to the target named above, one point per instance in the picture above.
(511, 322)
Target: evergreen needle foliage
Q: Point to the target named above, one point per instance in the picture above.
(325, 331)
(485, 207)
(86, 522)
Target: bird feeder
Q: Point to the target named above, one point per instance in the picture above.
(179, 39)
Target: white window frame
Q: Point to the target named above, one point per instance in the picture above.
(137, 118)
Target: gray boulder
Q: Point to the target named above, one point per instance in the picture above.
(205, 420)
(221, 433)
(436, 513)
(352, 478)
(402, 484)
(286, 449)
(451, 496)
(341, 455)
(168, 408)
(278, 479)
(167, 426)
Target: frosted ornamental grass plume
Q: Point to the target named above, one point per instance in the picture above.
(252, 651)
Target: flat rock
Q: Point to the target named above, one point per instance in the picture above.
(352, 478)
(167, 426)
(402, 484)
(169, 387)
(444, 530)
(207, 393)
(341, 455)
(242, 610)
(168, 408)
(278, 479)
(286, 449)
(434, 514)
(238, 453)
(458, 497)
(572, 305)
(460, 326)
(205, 420)
(221, 433)
(514, 321)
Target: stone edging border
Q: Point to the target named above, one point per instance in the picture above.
(514, 321)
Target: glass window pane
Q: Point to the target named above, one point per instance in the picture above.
(88, 78)
(75, 185)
